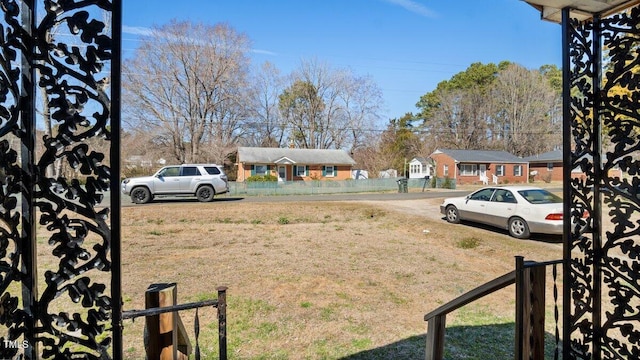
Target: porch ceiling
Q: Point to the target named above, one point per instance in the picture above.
(551, 10)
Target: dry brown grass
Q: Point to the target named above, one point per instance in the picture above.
(313, 280)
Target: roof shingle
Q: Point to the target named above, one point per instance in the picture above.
(262, 155)
(493, 156)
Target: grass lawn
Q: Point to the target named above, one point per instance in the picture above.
(323, 280)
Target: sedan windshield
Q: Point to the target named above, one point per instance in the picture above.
(540, 196)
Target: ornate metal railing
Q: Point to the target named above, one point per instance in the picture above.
(601, 65)
(59, 106)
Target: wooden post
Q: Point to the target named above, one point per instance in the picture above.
(530, 298)
(435, 337)
(161, 336)
(537, 311)
(184, 344)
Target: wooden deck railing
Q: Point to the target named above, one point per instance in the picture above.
(529, 278)
(166, 337)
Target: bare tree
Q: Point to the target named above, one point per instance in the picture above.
(460, 120)
(362, 100)
(525, 105)
(266, 127)
(373, 156)
(141, 152)
(186, 85)
(504, 107)
(327, 108)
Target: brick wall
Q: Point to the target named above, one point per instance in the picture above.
(444, 160)
(544, 173)
(315, 172)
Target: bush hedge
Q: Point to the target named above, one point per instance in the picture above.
(262, 178)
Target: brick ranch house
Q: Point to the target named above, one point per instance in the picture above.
(289, 164)
(480, 166)
(547, 166)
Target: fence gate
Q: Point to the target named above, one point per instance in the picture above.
(601, 65)
(59, 153)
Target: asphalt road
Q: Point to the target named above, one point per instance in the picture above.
(427, 194)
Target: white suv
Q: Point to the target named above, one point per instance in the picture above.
(203, 181)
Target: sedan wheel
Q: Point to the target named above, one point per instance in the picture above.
(140, 195)
(452, 214)
(518, 228)
(205, 193)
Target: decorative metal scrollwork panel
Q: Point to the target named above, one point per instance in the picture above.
(55, 235)
(604, 319)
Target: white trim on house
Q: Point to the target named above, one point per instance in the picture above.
(284, 161)
(419, 168)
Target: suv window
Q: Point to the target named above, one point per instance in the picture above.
(190, 171)
(212, 170)
(170, 171)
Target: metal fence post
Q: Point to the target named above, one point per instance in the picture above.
(519, 333)
(222, 322)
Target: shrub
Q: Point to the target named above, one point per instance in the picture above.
(468, 243)
(547, 177)
(262, 178)
(447, 183)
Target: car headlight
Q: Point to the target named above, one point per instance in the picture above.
(125, 181)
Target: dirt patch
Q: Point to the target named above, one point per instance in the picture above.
(427, 208)
(314, 280)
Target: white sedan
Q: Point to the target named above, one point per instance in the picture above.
(520, 209)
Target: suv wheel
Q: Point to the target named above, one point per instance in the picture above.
(205, 193)
(140, 195)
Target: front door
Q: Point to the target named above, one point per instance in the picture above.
(482, 169)
(282, 173)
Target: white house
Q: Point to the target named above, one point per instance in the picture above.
(420, 167)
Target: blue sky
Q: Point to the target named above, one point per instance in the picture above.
(406, 46)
